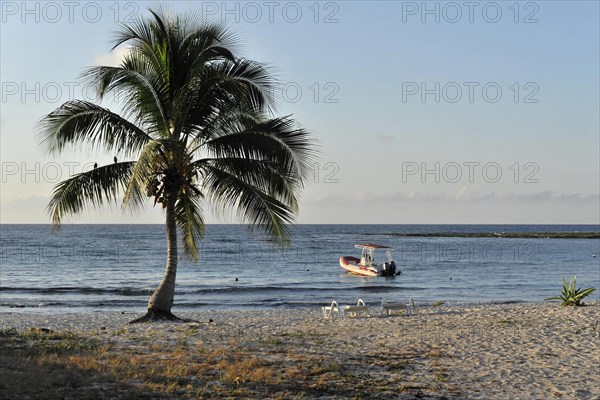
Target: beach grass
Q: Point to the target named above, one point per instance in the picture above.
(182, 364)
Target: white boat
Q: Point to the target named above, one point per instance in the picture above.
(366, 265)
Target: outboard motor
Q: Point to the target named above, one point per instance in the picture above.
(392, 268)
(384, 269)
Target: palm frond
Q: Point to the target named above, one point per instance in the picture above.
(143, 32)
(253, 205)
(223, 122)
(138, 87)
(78, 121)
(239, 82)
(214, 93)
(95, 187)
(264, 175)
(190, 220)
(156, 159)
(207, 42)
(276, 140)
(148, 165)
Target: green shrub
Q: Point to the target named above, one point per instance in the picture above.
(571, 296)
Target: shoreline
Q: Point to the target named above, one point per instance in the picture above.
(62, 311)
(538, 350)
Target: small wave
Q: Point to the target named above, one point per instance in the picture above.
(31, 304)
(380, 289)
(252, 289)
(126, 291)
(294, 289)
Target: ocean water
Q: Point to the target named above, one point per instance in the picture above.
(116, 267)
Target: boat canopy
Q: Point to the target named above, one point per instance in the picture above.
(371, 246)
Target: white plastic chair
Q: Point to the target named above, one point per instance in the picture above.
(413, 307)
(359, 309)
(330, 311)
(388, 308)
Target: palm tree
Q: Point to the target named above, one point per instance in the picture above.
(197, 122)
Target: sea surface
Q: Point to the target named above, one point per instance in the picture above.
(87, 268)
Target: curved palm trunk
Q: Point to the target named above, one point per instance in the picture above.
(159, 305)
(162, 299)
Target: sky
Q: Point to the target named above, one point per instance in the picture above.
(425, 112)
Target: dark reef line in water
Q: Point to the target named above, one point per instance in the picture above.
(518, 235)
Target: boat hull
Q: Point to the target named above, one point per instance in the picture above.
(352, 265)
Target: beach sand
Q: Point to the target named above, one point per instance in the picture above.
(537, 351)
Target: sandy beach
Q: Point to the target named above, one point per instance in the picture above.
(537, 351)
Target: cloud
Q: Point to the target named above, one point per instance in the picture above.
(549, 196)
(385, 138)
(460, 193)
(113, 59)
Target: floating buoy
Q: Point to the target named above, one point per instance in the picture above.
(236, 279)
